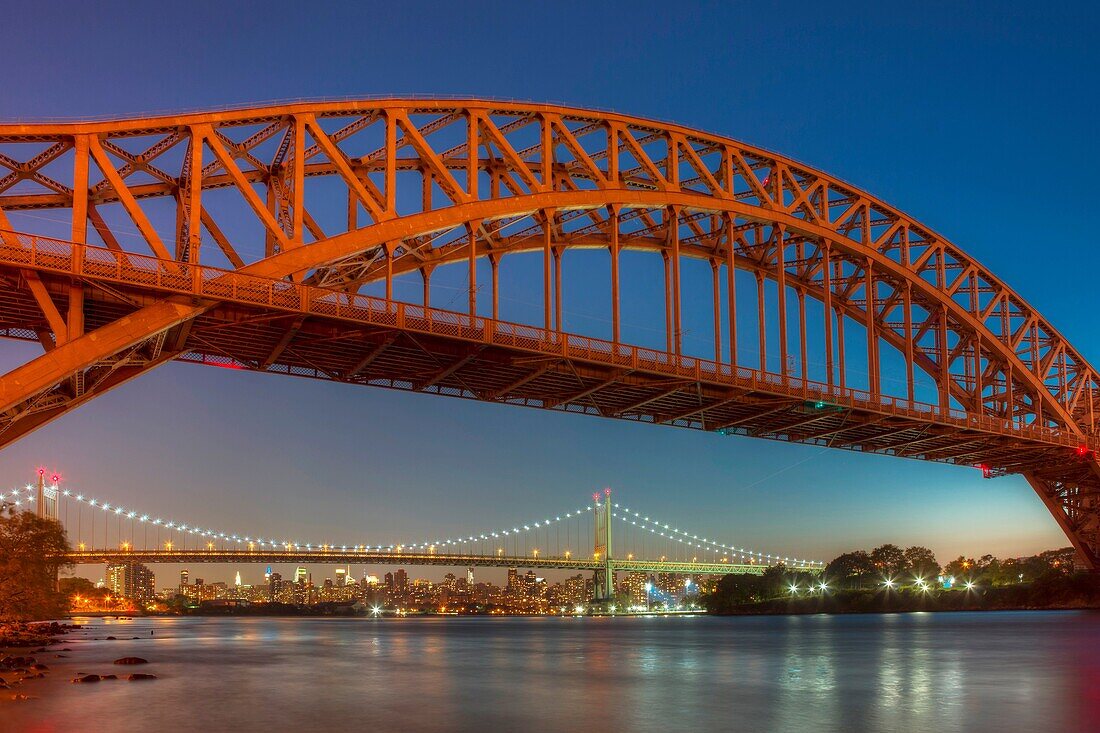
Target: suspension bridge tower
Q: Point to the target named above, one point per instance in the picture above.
(47, 496)
(605, 577)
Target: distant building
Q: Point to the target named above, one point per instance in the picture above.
(183, 581)
(513, 585)
(634, 587)
(131, 580)
(670, 584)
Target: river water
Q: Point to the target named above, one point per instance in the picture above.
(998, 672)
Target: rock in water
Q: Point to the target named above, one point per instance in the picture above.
(138, 676)
(87, 678)
(131, 660)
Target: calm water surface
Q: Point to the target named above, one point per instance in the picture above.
(1002, 672)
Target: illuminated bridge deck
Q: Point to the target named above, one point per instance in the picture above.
(345, 557)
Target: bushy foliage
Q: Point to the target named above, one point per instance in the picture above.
(734, 590)
(31, 554)
(855, 583)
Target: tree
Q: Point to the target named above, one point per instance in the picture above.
(1060, 562)
(961, 568)
(850, 569)
(75, 585)
(734, 590)
(890, 560)
(32, 551)
(922, 562)
(774, 581)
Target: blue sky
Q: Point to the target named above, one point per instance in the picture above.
(977, 119)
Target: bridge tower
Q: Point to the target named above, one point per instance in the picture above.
(46, 497)
(601, 515)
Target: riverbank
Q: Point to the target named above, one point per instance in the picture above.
(23, 651)
(1067, 595)
(20, 634)
(38, 658)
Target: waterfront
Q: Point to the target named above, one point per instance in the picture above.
(1019, 671)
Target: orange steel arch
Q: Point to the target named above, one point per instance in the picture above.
(428, 183)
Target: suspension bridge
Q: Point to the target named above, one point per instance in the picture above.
(316, 239)
(104, 532)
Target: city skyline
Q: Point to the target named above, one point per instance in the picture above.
(300, 458)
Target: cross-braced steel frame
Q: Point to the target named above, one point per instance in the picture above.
(200, 237)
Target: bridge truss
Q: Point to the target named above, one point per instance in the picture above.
(273, 238)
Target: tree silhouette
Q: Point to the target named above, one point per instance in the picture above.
(32, 551)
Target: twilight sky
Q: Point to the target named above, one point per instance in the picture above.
(974, 118)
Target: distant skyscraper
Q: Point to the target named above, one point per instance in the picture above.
(237, 580)
(513, 580)
(401, 579)
(300, 575)
(267, 574)
(341, 577)
(131, 580)
(470, 577)
(183, 580)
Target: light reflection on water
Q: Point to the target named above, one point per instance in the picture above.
(918, 672)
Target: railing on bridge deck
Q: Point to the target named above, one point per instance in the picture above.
(369, 557)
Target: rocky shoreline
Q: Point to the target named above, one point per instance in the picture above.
(21, 669)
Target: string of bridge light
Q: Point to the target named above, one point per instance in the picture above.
(121, 512)
(109, 508)
(502, 533)
(638, 520)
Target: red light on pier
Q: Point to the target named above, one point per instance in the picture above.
(1082, 450)
(987, 472)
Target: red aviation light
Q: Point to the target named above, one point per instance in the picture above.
(987, 472)
(1082, 450)
(41, 471)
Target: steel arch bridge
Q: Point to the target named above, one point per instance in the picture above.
(271, 239)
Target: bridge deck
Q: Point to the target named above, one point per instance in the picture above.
(331, 557)
(371, 341)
